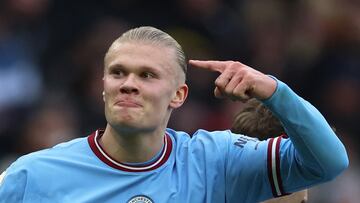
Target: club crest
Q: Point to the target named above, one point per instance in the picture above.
(140, 199)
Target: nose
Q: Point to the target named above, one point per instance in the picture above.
(129, 86)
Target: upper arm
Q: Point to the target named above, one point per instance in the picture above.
(246, 170)
(259, 170)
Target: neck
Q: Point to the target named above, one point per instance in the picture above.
(134, 147)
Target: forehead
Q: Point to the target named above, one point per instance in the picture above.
(140, 54)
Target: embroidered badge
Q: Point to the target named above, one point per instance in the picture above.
(140, 199)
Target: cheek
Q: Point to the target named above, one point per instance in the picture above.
(110, 88)
(109, 84)
(160, 99)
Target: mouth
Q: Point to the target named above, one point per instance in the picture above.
(128, 103)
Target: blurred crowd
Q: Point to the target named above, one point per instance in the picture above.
(51, 65)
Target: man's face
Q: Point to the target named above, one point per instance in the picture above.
(142, 86)
(297, 197)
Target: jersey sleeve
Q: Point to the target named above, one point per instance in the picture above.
(313, 154)
(246, 170)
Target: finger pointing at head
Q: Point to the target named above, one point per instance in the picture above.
(218, 66)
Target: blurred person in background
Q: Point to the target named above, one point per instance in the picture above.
(138, 159)
(22, 40)
(50, 123)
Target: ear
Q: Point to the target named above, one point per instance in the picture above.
(179, 96)
(103, 92)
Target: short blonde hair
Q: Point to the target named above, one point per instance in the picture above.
(148, 34)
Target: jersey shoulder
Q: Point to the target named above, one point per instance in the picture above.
(199, 137)
(221, 137)
(60, 151)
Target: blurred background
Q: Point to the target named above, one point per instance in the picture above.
(51, 65)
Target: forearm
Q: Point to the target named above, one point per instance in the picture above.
(314, 140)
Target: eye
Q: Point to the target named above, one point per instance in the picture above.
(147, 75)
(117, 72)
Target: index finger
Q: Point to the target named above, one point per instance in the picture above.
(218, 66)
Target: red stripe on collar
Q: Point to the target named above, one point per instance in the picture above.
(107, 159)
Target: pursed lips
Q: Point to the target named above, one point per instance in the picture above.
(128, 103)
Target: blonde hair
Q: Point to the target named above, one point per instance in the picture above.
(148, 34)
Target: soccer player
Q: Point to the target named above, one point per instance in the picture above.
(256, 120)
(136, 158)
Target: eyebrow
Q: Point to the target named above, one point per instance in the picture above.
(117, 65)
(141, 68)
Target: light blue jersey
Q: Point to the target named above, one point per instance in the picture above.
(210, 167)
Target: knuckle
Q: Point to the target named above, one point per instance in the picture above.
(231, 61)
(233, 65)
(218, 82)
(221, 81)
(236, 65)
(229, 89)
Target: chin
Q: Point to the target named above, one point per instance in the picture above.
(127, 123)
(124, 118)
(135, 129)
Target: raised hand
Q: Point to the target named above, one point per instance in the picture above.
(238, 81)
